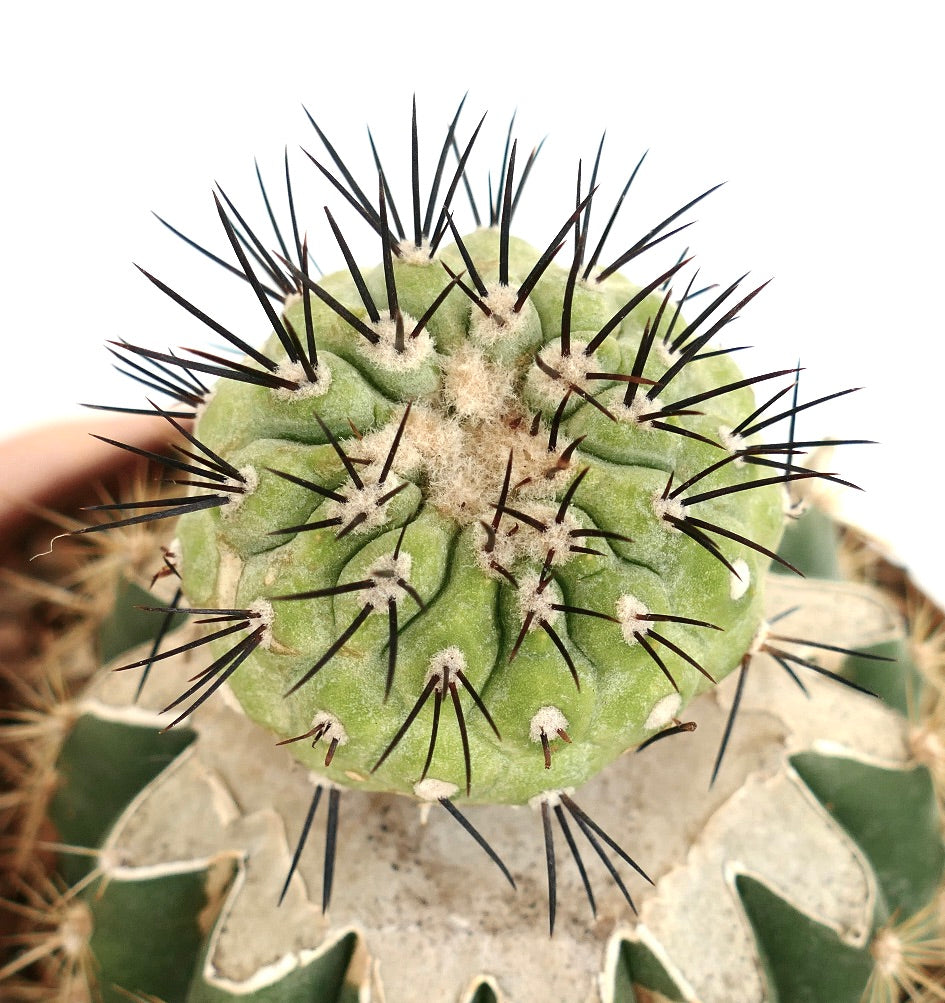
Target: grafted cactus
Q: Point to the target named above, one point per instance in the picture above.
(531, 493)
(808, 870)
(469, 526)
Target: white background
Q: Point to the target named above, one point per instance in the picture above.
(824, 119)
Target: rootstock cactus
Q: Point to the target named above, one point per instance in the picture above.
(472, 522)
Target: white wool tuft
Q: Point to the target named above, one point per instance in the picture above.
(663, 711)
(504, 323)
(635, 411)
(434, 790)
(247, 486)
(386, 571)
(547, 721)
(668, 507)
(740, 584)
(444, 664)
(333, 730)
(306, 388)
(363, 502)
(265, 614)
(552, 798)
(530, 600)
(629, 613)
(384, 353)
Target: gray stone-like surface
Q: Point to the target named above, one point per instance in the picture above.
(435, 913)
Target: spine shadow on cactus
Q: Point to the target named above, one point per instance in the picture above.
(431, 384)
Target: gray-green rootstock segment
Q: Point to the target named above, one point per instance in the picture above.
(142, 922)
(150, 932)
(893, 816)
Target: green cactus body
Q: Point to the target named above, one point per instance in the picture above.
(460, 521)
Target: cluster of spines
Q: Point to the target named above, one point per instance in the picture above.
(771, 644)
(208, 680)
(336, 496)
(218, 477)
(595, 835)
(177, 377)
(443, 678)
